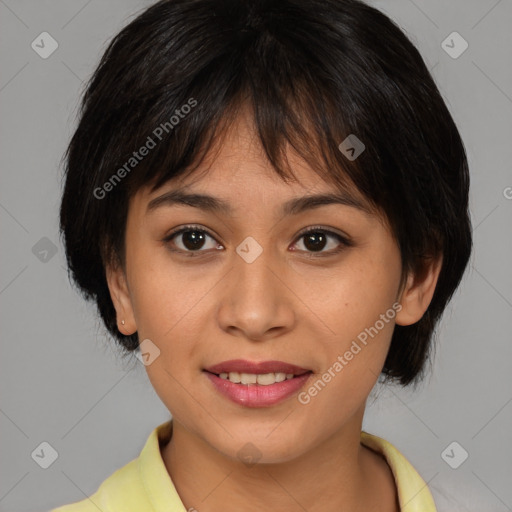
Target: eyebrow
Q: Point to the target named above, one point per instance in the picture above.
(220, 206)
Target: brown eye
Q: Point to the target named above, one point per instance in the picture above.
(315, 240)
(193, 240)
(190, 239)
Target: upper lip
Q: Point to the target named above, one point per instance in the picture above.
(258, 368)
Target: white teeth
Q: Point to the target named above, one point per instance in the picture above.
(234, 377)
(264, 379)
(248, 378)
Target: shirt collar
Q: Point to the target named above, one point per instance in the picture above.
(413, 492)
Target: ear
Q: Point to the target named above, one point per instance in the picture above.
(120, 295)
(418, 291)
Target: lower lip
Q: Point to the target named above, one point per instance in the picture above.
(255, 395)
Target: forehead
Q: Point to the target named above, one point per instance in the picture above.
(237, 171)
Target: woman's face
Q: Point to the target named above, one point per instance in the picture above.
(246, 284)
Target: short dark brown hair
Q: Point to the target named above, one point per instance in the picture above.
(314, 73)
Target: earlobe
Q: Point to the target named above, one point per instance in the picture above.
(120, 295)
(418, 291)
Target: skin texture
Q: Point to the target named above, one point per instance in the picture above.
(291, 305)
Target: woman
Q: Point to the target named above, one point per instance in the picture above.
(270, 201)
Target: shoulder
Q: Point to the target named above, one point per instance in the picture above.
(112, 494)
(142, 484)
(413, 493)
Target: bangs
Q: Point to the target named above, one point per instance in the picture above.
(287, 115)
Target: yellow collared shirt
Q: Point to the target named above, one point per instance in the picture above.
(144, 485)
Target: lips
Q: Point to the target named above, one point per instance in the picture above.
(256, 368)
(252, 384)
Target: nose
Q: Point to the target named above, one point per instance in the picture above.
(256, 302)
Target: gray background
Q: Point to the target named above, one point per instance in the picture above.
(61, 379)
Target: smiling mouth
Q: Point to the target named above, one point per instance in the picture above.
(250, 373)
(257, 384)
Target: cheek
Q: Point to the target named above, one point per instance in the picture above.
(170, 306)
(346, 300)
(168, 311)
(162, 293)
(360, 311)
(352, 366)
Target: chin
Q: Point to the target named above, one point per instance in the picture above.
(265, 445)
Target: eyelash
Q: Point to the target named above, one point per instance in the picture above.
(344, 241)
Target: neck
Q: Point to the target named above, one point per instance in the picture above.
(338, 475)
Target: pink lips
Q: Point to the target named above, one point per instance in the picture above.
(255, 395)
